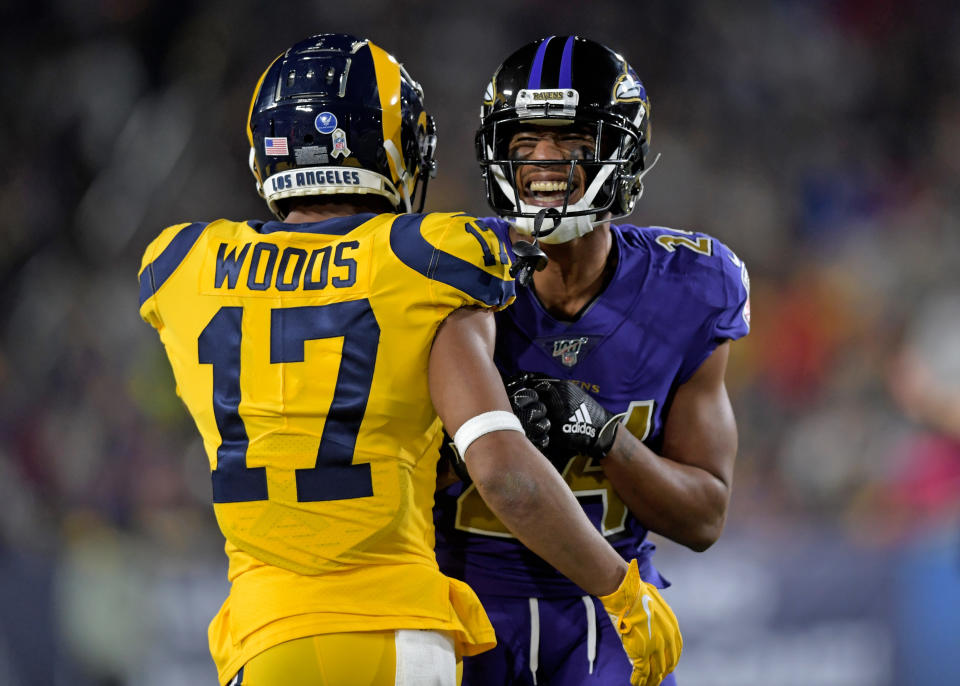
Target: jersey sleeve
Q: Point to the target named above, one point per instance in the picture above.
(501, 227)
(467, 262)
(723, 291)
(160, 259)
(733, 319)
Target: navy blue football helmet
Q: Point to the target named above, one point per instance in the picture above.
(336, 114)
(566, 81)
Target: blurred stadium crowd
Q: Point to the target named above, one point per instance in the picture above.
(820, 140)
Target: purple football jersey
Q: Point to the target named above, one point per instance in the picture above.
(674, 297)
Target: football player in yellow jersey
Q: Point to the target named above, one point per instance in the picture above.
(318, 354)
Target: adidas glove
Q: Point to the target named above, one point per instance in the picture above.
(532, 413)
(647, 626)
(533, 417)
(579, 424)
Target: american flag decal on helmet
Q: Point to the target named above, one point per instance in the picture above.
(275, 146)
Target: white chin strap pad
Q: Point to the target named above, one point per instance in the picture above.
(568, 229)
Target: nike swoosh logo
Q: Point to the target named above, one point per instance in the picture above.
(646, 600)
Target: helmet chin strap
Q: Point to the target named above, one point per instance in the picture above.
(528, 257)
(638, 185)
(402, 173)
(252, 161)
(567, 228)
(645, 172)
(272, 204)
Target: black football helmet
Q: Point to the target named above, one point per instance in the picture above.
(336, 114)
(566, 81)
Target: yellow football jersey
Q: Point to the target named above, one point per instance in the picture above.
(301, 352)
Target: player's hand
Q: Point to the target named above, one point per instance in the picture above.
(579, 424)
(647, 627)
(449, 454)
(532, 413)
(527, 405)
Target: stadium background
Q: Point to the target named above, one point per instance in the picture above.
(820, 140)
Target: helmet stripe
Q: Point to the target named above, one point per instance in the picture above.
(566, 64)
(536, 71)
(388, 84)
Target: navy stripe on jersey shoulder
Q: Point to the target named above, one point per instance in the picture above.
(158, 271)
(339, 226)
(409, 245)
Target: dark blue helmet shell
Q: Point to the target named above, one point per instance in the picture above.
(336, 114)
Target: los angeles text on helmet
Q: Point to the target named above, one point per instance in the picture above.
(301, 179)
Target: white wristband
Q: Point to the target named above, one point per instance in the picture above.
(474, 428)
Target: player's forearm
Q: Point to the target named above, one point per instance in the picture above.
(685, 503)
(528, 495)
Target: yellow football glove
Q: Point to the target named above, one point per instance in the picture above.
(647, 626)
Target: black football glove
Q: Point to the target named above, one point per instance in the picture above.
(532, 413)
(533, 417)
(579, 424)
(448, 452)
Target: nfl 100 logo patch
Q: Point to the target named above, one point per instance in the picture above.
(568, 349)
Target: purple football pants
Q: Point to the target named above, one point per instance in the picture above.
(550, 642)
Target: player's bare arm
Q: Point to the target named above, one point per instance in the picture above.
(683, 494)
(514, 478)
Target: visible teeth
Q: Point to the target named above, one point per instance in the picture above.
(547, 186)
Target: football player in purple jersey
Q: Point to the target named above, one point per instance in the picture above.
(616, 352)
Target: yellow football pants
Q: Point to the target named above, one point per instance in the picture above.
(407, 657)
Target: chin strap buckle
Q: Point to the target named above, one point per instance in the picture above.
(529, 256)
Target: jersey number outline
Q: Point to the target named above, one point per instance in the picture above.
(474, 229)
(334, 476)
(702, 245)
(583, 474)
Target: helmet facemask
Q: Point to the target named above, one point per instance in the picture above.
(560, 84)
(596, 179)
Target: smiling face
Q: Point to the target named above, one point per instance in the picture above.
(547, 185)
